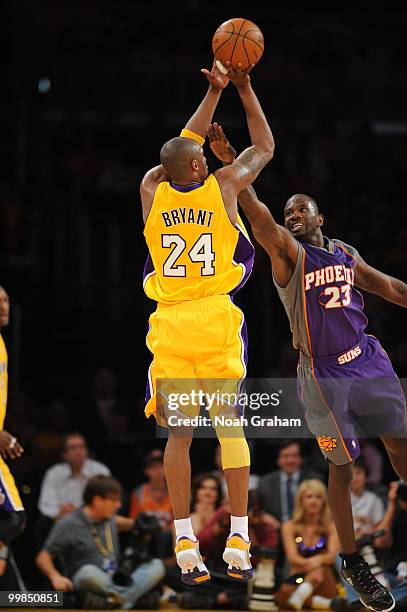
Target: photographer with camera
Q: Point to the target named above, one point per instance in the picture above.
(86, 543)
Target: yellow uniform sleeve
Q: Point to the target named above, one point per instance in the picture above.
(188, 134)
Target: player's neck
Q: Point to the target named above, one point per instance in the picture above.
(316, 239)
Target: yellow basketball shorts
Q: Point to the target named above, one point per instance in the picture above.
(196, 344)
(9, 496)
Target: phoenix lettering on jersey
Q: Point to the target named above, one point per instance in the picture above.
(329, 274)
(187, 215)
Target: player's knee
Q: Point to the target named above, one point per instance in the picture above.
(12, 524)
(235, 452)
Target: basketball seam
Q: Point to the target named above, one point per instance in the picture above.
(247, 55)
(225, 41)
(251, 39)
(234, 46)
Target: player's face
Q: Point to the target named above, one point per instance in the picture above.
(4, 308)
(289, 459)
(312, 502)
(300, 217)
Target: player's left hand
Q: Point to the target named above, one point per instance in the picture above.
(219, 144)
(10, 448)
(215, 77)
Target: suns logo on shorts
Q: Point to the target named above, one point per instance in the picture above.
(327, 443)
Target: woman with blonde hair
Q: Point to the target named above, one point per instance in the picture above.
(311, 546)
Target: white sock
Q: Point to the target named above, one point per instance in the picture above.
(296, 600)
(183, 527)
(320, 603)
(240, 524)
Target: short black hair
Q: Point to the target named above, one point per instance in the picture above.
(359, 463)
(288, 442)
(102, 486)
(71, 434)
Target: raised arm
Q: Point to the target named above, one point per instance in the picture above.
(374, 281)
(252, 160)
(274, 238)
(198, 124)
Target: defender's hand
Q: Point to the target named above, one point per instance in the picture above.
(220, 145)
(10, 448)
(215, 76)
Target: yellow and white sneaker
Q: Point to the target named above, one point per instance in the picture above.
(193, 569)
(237, 556)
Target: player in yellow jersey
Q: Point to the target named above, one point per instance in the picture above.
(199, 255)
(12, 515)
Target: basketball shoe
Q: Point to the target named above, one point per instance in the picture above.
(237, 556)
(372, 594)
(193, 569)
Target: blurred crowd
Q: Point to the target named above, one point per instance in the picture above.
(107, 544)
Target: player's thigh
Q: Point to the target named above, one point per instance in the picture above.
(325, 400)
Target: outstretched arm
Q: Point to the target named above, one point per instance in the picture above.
(198, 124)
(252, 160)
(372, 280)
(274, 238)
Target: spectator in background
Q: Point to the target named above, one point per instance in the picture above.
(86, 543)
(153, 497)
(63, 484)
(367, 507)
(276, 490)
(311, 546)
(373, 460)
(47, 442)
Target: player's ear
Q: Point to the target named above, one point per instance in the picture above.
(320, 219)
(194, 164)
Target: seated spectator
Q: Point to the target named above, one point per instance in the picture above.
(63, 484)
(153, 497)
(311, 546)
(367, 507)
(86, 543)
(276, 490)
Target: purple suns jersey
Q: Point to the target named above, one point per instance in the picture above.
(324, 308)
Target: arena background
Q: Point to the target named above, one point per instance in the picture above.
(90, 91)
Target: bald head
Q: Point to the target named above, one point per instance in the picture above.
(178, 154)
(302, 198)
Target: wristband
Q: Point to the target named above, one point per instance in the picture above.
(189, 134)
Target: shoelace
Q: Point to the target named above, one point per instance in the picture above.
(368, 581)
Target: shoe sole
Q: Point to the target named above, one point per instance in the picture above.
(384, 609)
(190, 572)
(235, 569)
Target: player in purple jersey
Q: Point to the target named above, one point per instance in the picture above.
(346, 382)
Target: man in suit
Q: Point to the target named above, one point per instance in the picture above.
(276, 490)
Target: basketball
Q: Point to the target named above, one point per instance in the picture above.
(238, 40)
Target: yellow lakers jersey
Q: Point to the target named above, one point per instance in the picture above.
(3, 381)
(194, 250)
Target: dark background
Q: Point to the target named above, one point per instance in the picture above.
(124, 79)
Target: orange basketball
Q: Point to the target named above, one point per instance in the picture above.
(238, 40)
